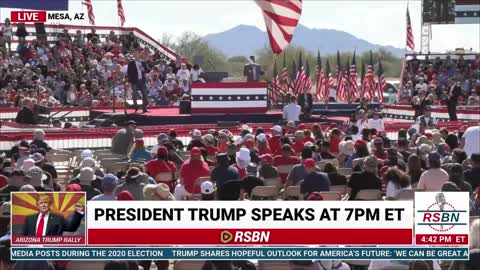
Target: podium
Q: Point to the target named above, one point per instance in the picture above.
(229, 97)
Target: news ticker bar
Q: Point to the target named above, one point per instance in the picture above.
(240, 253)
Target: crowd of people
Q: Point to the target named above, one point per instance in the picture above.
(231, 167)
(448, 82)
(84, 69)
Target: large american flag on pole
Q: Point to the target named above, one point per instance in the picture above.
(410, 40)
(121, 13)
(370, 80)
(285, 75)
(320, 77)
(308, 80)
(382, 83)
(281, 18)
(328, 82)
(275, 94)
(346, 81)
(91, 16)
(340, 79)
(353, 79)
(364, 92)
(300, 78)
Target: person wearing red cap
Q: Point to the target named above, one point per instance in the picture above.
(192, 169)
(73, 188)
(125, 196)
(314, 181)
(161, 165)
(138, 152)
(286, 158)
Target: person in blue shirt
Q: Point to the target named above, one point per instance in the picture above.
(139, 153)
(314, 181)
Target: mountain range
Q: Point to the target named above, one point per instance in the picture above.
(245, 40)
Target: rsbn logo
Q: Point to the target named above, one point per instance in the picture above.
(441, 215)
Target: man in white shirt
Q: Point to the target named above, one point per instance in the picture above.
(183, 76)
(45, 223)
(376, 122)
(471, 140)
(292, 111)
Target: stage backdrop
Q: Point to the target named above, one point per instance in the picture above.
(229, 97)
(36, 4)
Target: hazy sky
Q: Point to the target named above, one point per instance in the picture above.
(381, 22)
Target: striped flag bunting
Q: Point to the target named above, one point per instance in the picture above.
(91, 16)
(410, 39)
(281, 18)
(121, 13)
(382, 83)
(340, 79)
(320, 78)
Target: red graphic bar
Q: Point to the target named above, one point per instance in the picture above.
(250, 236)
(70, 240)
(441, 239)
(28, 16)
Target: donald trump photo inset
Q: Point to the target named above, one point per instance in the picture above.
(46, 223)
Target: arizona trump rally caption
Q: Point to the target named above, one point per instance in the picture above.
(250, 222)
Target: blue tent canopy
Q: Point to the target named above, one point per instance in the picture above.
(35, 4)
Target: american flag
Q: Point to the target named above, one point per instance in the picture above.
(364, 92)
(91, 16)
(300, 78)
(320, 78)
(410, 40)
(346, 81)
(382, 83)
(285, 75)
(308, 80)
(353, 79)
(281, 18)
(328, 82)
(121, 14)
(275, 93)
(370, 80)
(340, 79)
(293, 75)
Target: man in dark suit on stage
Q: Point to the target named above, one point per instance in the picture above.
(136, 72)
(46, 223)
(305, 100)
(252, 70)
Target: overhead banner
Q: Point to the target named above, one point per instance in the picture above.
(35, 4)
(263, 223)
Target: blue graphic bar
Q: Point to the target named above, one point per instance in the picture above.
(239, 253)
(36, 4)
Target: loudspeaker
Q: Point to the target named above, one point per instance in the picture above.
(40, 31)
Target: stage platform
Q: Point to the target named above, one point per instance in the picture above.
(172, 116)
